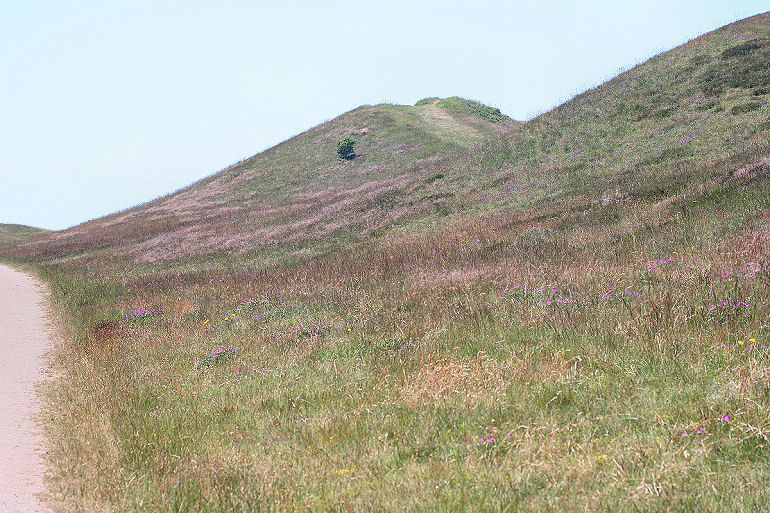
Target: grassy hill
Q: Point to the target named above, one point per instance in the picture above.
(299, 191)
(17, 232)
(644, 133)
(474, 315)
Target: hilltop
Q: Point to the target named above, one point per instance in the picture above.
(17, 232)
(473, 314)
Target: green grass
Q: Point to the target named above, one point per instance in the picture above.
(570, 314)
(17, 232)
(474, 108)
(358, 385)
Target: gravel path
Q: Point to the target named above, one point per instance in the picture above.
(23, 339)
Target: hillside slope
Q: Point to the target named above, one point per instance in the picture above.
(684, 117)
(17, 232)
(299, 190)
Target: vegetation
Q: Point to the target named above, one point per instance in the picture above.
(345, 148)
(462, 107)
(569, 314)
(740, 66)
(427, 101)
(473, 108)
(17, 232)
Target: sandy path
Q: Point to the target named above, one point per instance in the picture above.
(23, 339)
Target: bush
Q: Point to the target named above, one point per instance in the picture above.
(746, 107)
(741, 50)
(742, 67)
(474, 108)
(345, 148)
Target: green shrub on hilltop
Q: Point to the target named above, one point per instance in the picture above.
(474, 108)
(427, 101)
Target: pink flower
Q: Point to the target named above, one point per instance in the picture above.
(725, 417)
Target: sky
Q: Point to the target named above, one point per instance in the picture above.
(106, 104)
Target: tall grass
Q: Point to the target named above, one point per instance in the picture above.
(493, 367)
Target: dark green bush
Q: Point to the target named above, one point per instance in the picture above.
(748, 71)
(427, 101)
(741, 50)
(638, 112)
(474, 108)
(345, 148)
(746, 107)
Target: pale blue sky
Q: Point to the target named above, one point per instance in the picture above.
(105, 104)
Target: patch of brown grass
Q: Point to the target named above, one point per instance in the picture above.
(470, 379)
(105, 333)
(180, 307)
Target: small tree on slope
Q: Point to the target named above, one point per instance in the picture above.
(345, 148)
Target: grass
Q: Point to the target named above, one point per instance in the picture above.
(474, 108)
(414, 383)
(17, 232)
(576, 321)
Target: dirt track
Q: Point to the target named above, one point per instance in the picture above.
(23, 339)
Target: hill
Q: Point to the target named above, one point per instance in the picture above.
(683, 117)
(299, 190)
(656, 128)
(17, 232)
(569, 314)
